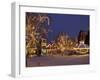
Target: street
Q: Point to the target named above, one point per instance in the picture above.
(56, 60)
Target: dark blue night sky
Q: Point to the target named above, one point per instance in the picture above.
(71, 24)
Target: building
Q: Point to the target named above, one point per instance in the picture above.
(83, 36)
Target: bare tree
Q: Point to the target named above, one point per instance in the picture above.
(37, 27)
